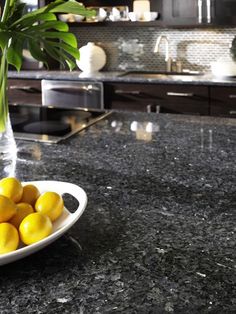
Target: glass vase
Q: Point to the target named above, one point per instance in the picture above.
(8, 149)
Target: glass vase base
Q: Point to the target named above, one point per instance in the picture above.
(8, 151)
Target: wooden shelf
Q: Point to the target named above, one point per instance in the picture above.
(157, 23)
(118, 23)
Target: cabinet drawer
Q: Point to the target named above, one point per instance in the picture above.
(223, 101)
(165, 98)
(24, 91)
(131, 97)
(185, 99)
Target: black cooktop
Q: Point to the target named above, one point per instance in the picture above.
(50, 124)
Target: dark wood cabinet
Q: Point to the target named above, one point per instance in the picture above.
(157, 97)
(223, 101)
(200, 12)
(182, 12)
(223, 12)
(24, 91)
(164, 98)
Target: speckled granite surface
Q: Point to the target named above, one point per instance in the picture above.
(158, 234)
(207, 79)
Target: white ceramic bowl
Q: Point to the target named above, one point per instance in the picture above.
(150, 16)
(135, 16)
(100, 15)
(78, 18)
(60, 226)
(63, 17)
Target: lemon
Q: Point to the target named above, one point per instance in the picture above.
(30, 194)
(9, 238)
(34, 228)
(22, 210)
(12, 188)
(7, 208)
(50, 204)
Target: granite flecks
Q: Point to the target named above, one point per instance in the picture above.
(205, 79)
(158, 234)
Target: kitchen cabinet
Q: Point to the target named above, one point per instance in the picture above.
(223, 12)
(183, 99)
(26, 91)
(223, 101)
(182, 12)
(148, 97)
(199, 12)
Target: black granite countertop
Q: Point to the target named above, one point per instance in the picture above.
(206, 79)
(158, 233)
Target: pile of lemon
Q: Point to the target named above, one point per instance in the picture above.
(25, 214)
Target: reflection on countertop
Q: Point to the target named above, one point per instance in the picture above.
(158, 234)
(114, 76)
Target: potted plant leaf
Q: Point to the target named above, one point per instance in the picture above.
(43, 35)
(233, 49)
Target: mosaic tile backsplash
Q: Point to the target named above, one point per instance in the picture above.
(129, 48)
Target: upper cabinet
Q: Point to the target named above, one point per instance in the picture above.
(174, 13)
(223, 12)
(199, 12)
(181, 12)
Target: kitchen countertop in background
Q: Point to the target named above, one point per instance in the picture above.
(158, 234)
(206, 79)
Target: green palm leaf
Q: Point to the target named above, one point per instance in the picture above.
(4, 39)
(68, 38)
(36, 51)
(68, 49)
(14, 53)
(40, 31)
(56, 25)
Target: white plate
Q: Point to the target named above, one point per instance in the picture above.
(60, 226)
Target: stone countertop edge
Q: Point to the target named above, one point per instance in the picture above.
(158, 233)
(116, 77)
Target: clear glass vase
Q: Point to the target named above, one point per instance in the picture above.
(8, 149)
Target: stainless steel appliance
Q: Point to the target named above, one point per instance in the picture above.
(70, 94)
(50, 124)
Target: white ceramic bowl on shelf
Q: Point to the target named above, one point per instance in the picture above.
(135, 16)
(150, 16)
(78, 18)
(63, 17)
(100, 15)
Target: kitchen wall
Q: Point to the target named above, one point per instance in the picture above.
(132, 47)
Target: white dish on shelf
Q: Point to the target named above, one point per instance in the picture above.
(63, 17)
(60, 226)
(71, 18)
(100, 15)
(78, 18)
(143, 16)
(135, 16)
(150, 16)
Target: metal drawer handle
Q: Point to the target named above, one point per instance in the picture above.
(131, 92)
(232, 96)
(180, 94)
(26, 89)
(208, 3)
(72, 88)
(232, 112)
(199, 11)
